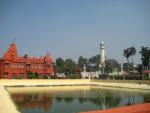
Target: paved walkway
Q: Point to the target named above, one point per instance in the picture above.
(59, 82)
(6, 104)
(139, 108)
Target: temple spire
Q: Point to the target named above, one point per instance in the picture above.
(11, 53)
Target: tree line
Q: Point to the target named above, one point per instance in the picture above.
(69, 67)
(145, 57)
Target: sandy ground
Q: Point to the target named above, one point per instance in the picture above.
(40, 82)
(54, 89)
(123, 85)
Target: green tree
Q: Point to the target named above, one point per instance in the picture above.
(140, 70)
(89, 64)
(126, 66)
(127, 53)
(145, 53)
(111, 65)
(81, 62)
(26, 56)
(60, 65)
(30, 75)
(133, 51)
(69, 67)
(93, 63)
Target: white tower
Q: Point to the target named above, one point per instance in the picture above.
(84, 68)
(102, 57)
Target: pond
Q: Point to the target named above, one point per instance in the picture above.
(70, 99)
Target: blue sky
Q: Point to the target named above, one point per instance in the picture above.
(73, 28)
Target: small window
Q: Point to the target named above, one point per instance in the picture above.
(6, 65)
(22, 74)
(21, 66)
(6, 75)
(28, 65)
(14, 65)
(14, 75)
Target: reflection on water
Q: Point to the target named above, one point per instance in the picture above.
(76, 101)
(24, 101)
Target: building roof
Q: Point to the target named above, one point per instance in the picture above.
(11, 55)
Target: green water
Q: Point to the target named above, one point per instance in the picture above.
(76, 101)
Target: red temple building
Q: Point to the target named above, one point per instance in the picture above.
(13, 66)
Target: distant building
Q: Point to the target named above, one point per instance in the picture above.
(147, 72)
(89, 75)
(12, 66)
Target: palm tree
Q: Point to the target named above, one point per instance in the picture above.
(145, 53)
(127, 54)
(133, 51)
